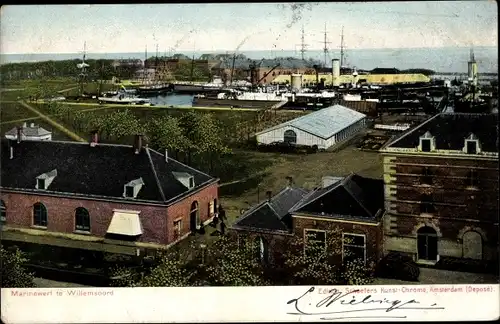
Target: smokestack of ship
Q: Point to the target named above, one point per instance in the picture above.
(296, 82)
(335, 72)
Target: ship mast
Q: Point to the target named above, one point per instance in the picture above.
(342, 48)
(145, 59)
(325, 48)
(303, 45)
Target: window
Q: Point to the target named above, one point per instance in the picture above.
(177, 229)
(129, 191)
(41, 183)
(472, 179)
(471, 147)
(39, 215)
(82, 219)
(263, 251)
(194, 216)
(353, 247)
(191, 182)
(427, 244)
(472, 245)
(3, 212)
(426, 177)
(426, 204)
(290, 137)
(315, 242)
(426, 145)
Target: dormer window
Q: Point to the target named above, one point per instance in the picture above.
(185, 178)
(427, 143)
(44, 180)
(41, 184)
(131, 189)
(471, 144)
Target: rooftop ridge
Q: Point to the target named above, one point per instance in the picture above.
(184, 165)
(408, 132)
(158, 183)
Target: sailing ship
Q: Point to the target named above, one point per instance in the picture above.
(154, 87)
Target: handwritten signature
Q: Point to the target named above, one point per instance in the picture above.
(348, 303)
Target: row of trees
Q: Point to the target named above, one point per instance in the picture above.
(238, 261)
(194, 138)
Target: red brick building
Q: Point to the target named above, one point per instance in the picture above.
(353, 204)
(441, 189)
(101, 197)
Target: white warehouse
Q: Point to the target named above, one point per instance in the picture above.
(324, 128)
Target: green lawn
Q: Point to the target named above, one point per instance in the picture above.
(306, 170)
(13, 111)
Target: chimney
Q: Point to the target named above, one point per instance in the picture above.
(166, 155)
(269, 195)
(94, 139)
(290, 181)
(19, 134)
(138, 144)
(11, 149)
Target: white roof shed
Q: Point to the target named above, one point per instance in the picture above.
(323, 128)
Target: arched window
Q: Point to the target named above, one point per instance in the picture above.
(82, 219)
(427, 242)
(290, 137)
(39, 214)
(472, 245)
(3, 212)
(194, 216)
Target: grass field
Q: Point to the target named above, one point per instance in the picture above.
(13, 111)
(306, 170)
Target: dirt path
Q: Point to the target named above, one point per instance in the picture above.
(53, 122)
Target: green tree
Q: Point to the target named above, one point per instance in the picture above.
(166, 133)
(205, 135)
(317, 260)
(232, 264)
(13, 273)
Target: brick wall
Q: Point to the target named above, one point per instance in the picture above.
(277, 244)
(373, 233)
(458, 205)
(182, 209)
(157, 221)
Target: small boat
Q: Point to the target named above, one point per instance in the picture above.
(122, 98)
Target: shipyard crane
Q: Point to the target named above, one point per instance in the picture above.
(269, 72)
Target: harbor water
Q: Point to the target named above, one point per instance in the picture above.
(177, 100)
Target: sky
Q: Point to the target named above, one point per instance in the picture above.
(245, 26)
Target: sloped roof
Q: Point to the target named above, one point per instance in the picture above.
(100, 171)
(323, 123)
(270, 215)
(352, 198)
(450, 131)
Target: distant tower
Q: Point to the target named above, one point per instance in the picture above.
(472, 70)
(82, 77)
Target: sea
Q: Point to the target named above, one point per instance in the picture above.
(442, 59)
